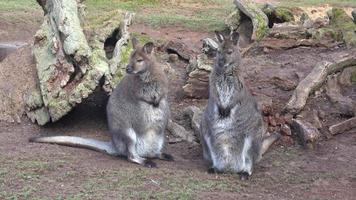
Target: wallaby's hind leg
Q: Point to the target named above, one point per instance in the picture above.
(268, 141)
(130, 140)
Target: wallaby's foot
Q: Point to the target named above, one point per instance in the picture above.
(166, 157)
(213, 170)
(244, 176)
(150, 164)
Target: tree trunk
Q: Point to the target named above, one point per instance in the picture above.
(73, 55)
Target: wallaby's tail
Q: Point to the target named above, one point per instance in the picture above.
(86, 143)
(268, 141)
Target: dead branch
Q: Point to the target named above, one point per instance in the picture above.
(343, 126)
(314, 81)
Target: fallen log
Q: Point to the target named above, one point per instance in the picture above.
(314, 81)
(343, 126)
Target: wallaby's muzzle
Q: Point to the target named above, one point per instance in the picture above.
(129, 69)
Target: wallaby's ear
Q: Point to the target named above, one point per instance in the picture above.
(148, 47)
(220, 37)
(235, 37)
(134, 43)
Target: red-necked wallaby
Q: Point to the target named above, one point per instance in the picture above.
(137, 113)
(232, 126)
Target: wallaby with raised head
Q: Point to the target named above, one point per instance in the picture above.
(232, 126)
(137, 113)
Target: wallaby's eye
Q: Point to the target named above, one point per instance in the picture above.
(230, 51)
(139, 60)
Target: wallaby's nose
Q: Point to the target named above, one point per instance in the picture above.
(129, 69)
(221, 61)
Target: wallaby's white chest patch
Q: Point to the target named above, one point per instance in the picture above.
(222, 124)
(155, 115)
(225, 90)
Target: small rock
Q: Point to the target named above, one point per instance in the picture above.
(195, 114)
(345, 76)
(353, 13)
(210, 47)
(321, 114)
(311, 116)
(179, 131)
(173, 57)
(277, 14)
(283, 84)
(178, 48)
(306, 132)
(344, 104)
(287, 140)
(272, 121)
(288, 118)
(285, 130)
(265, 104)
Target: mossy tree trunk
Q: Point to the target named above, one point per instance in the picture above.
(72, 55)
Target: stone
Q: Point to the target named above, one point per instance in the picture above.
(343, 126)
(285, 130)
(341, 21)
(344, 104)
(345, 76)
(178, 48)
(198, 77)
(173, 57)
(210, 47)
(277, 14)
(195, 115)
(306, 132)
(197, 85)
(179, 131)
(312, 116)
(283, 84)
(353, 13)
(253, 24)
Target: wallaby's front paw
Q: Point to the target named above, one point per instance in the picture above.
(224, 112)
(166, 157)
(150, 164)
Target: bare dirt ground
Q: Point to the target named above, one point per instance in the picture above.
(37, 171)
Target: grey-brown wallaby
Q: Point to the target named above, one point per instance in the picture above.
(232, 126)
(137, 113)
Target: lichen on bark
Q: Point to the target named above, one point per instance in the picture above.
(71, 57)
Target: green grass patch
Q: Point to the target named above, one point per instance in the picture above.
(304, 3)
(18, 5)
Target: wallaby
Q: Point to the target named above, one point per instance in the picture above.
(232, 125)
(137, 113)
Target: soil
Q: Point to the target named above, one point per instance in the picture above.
(288, 171)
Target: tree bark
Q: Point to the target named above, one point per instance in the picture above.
(71, 58)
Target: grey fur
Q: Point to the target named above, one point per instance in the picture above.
(137, 113)
(232, 125)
